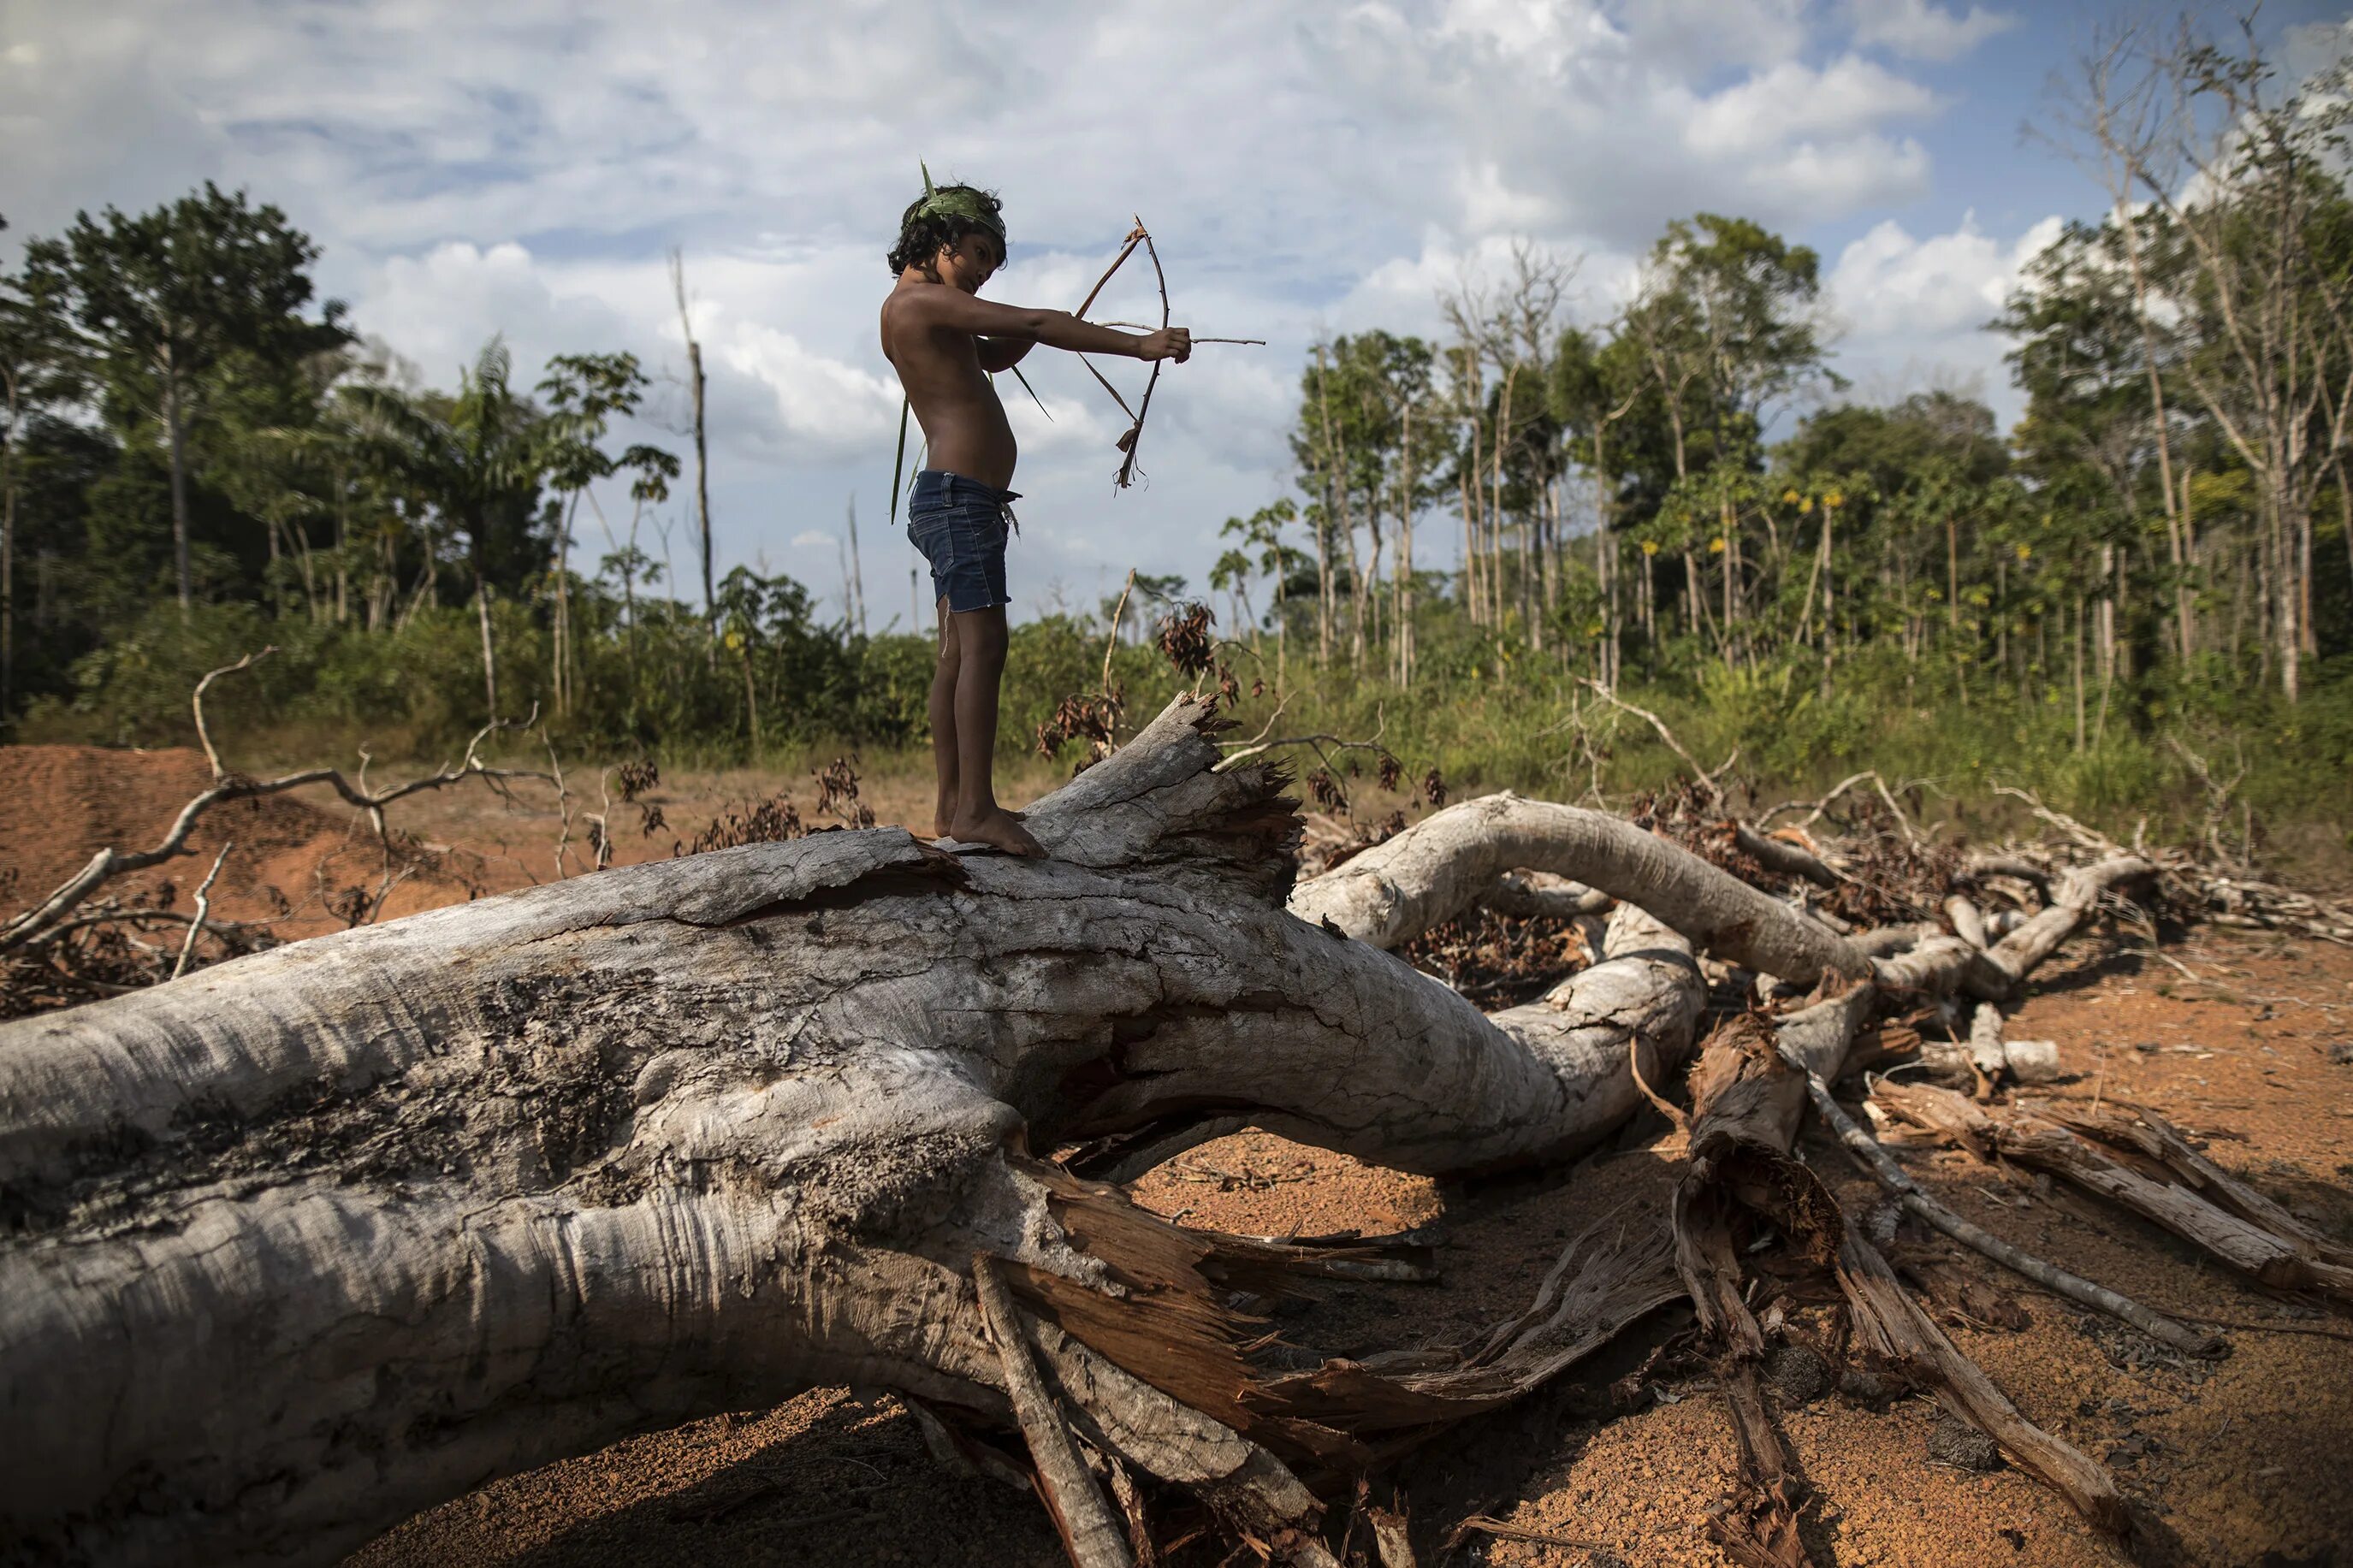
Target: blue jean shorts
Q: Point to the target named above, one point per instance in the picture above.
(960, 526)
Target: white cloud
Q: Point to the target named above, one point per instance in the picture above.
(1920, 29)
(827, 408)
(1914, 309)
(1793, 102)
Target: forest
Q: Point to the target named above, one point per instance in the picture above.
(2141, 591)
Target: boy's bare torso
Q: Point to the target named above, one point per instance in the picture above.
(942, 369)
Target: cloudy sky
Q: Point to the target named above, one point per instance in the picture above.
(524, 167)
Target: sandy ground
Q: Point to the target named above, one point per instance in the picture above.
(2239, 1462)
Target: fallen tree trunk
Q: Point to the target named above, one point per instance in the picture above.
(307, 1241)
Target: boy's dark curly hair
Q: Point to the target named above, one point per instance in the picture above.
(922, 235)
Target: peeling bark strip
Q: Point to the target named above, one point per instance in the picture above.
(307, 1241)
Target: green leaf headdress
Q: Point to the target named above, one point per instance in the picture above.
(958, 202)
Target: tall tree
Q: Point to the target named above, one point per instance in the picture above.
(26, 351)
(2248, 175)
(147, 306)
(1364, 442)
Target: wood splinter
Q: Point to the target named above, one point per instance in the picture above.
(1091, 1536)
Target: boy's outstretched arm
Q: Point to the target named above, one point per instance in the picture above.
(1056, 329)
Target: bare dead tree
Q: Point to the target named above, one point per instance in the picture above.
(2233, 164)
(694, 390)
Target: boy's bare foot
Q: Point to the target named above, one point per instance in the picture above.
(944, 825)
(999, 828)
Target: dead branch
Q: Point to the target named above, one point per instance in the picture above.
(1700, 775)
(1112, 641)
(196, 703)
(1780, 855)
(2252, 1234)
(1817, 807)
(110, 862)
(204, 907)
(1541, 895)
(1882, 1168)
(1482, 1524)
(1089, 1535)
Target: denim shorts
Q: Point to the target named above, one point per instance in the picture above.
(960, 525)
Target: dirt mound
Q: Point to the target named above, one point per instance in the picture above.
(293, 859)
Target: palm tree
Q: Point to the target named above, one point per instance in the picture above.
(477, 459)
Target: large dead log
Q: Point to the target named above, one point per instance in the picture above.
(309, 1241)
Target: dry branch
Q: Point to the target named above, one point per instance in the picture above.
(2168, 1184)
(204, 909)
(110, 862)
(1084, 1520)
(2057, 1280)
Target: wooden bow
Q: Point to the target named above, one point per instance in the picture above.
(1127, 442)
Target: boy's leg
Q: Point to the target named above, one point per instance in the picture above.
(944, 724)
(980, 664)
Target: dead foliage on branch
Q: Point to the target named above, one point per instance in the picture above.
(1184, 639)
(771, 821)
(115, 945)
(1502, 961)
(1093, 720)
(836, 793)
(777, 820)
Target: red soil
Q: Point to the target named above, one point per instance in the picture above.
(290, 855)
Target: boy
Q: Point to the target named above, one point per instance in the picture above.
(945, 341)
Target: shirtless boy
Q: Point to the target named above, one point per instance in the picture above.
(945, 341)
